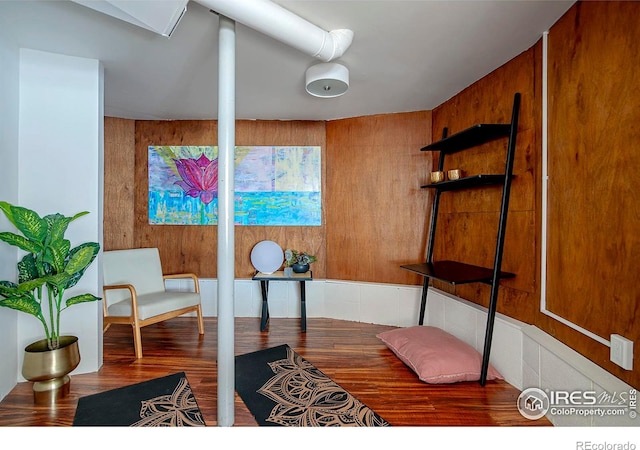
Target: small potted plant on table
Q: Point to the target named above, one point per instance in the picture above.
(298, 261)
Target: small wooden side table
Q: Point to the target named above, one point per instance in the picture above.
(264, 279)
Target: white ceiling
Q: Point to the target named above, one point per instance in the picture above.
(406, 55)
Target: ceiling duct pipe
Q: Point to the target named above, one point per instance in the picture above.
(277, 22)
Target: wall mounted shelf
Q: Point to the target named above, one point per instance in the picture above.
(457, 272)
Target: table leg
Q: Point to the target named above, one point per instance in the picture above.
(303, 308)
(264, 320)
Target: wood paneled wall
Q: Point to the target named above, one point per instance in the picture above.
(593, 241)
(372, 170)
(377, 215)
(468, 220)
(119, 183)
(594, 158)
(188, 248)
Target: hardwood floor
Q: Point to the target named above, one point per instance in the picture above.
(348, 352)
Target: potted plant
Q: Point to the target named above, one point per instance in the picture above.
(298, 261)
(48, 269)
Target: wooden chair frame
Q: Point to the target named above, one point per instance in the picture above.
(136, 323)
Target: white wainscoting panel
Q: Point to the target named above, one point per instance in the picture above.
(467, 321)
(384, 304)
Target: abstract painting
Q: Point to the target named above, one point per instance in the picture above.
(274, 186)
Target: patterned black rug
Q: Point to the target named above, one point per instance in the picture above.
(281, 388)
(161, 402)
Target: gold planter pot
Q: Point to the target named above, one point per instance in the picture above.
(49, 369)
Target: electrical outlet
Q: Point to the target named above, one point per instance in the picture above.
(621, 351)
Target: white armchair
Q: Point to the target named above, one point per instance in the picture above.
(135, 292)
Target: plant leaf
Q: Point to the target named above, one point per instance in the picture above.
(56, 254)
(29, 223)
(79, 259)
(7, 288)
(31, 285)
(28, 269)
(21, 242)
(80, 214)
(6, 209)
(58, 225)
(59, 280)
(25, 304)
(84, 298)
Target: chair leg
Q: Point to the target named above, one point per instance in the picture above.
(200, 320)
(137, 340)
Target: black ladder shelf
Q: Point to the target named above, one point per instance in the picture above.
(455, 272)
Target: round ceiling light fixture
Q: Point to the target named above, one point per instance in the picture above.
(327, 80)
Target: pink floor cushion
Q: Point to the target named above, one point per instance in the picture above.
(435, 355)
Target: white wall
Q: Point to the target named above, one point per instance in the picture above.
(9, 70)
(60, 170)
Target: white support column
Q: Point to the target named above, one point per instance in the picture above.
(226, 237)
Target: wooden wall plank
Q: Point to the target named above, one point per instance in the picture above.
(471, 237)
(119, 183)
(377, 214)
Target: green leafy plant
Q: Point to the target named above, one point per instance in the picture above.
(49, 268)
(292, 257)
